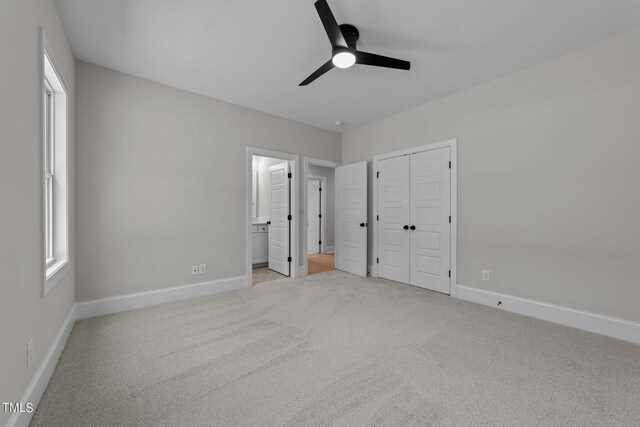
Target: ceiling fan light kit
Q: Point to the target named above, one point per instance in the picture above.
(343, 39)
(343, 59)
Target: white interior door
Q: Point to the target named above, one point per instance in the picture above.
(279, 228)
(313, 216)
(351, 218)
(394, 219)
(430, 261)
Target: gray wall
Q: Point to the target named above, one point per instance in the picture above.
(161, 181)
(23, 312)
(549, 183)
(330, 210)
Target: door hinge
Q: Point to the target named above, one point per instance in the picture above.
(320, 189)
(320, 242)
(289, 175)
(377, 217)
(377, 174)
(289, 259)
(377, 260)
(449, 165)
(449, 273)
(449, 219)
(320, 216)
(289, 217)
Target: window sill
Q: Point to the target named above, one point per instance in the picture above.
(54, 274)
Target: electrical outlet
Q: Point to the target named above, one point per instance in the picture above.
(202, 269)
(486, 275)
(194, 270)
(29, 352)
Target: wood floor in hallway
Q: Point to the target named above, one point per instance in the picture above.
(319, 263)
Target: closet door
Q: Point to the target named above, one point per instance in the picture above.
(394, 219)
(430, 228)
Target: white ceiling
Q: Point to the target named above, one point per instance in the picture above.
(255, 52)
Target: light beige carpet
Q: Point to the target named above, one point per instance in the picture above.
(337, 349)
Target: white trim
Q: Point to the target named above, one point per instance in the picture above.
(626, 330)
(323, 208)
(322, 163)
(305, 200)
(41, 378)
(330, 250)
(453, 145)
(100, 307)
(303, 271)
(295, 208)
(56, 276)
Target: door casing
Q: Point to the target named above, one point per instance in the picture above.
(294, 205)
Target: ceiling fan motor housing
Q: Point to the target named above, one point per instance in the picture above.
(351, 34)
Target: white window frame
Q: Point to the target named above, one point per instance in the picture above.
(54, 108)
(49, 170)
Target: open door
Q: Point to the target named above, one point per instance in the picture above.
(351, 218)
(279, 222)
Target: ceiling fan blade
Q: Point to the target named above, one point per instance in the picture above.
(366, 58)
(330, 24)
(317, 73)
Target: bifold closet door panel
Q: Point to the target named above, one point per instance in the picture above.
(394, 219)
(430, 210)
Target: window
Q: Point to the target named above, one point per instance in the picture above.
(54, 174)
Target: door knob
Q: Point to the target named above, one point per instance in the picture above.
(413, 227)
(362, 224)
(268, 222)
(406, 227)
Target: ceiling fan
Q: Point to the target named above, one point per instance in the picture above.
(344, 54)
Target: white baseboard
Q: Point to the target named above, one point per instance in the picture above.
(626, 330)
(100, 307)
(38, 384)
(329, 249)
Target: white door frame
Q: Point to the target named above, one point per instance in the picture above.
(294, 206)
(453, 145)
(323, 211)
(305, 175)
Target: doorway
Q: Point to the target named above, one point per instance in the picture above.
(272, 226)
(319, 213)
(320, 217)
